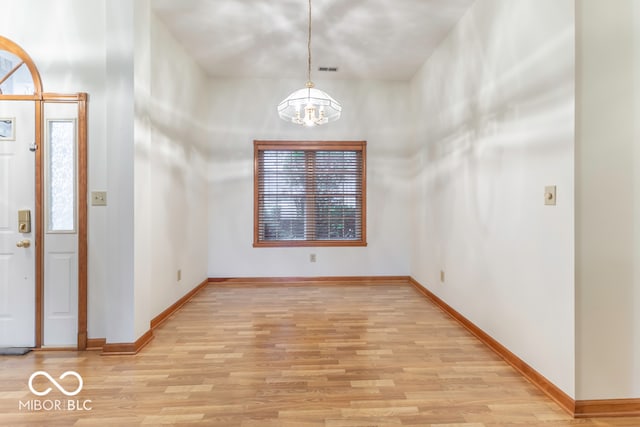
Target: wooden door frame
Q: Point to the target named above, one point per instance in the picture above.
(40, 98)
(81, 99)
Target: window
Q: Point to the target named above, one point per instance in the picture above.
(60, 155)
(309, 193)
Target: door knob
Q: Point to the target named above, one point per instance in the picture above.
(23, 243)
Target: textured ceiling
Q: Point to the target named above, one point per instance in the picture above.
(365, 39)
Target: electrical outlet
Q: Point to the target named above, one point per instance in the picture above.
(312, 258)
(179, 275)
(442, 276)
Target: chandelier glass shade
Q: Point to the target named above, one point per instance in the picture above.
(309, 106)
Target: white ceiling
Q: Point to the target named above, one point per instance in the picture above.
(365, 39)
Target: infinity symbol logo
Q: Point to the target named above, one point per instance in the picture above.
(55, 383)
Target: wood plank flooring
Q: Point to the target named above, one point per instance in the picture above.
(291, 355)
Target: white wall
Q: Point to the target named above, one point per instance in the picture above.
(143, 145)
(170, 170)
(608, 199)
(118, 288)
(494, 124)
(175, 192)
(244, 110)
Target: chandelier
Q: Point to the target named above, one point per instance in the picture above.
(309, 106)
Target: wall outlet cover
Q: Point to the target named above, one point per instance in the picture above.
(550, 195)
(98, 198)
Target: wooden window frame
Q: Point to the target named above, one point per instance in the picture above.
(308, 146)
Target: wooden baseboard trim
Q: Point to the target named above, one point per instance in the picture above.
(127, 348)
(337, 280)
(117, 349)
(95, 343)
(47, 349)
(160, 318)
(607, 408)
(547, 387)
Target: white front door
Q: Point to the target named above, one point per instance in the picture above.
(17, 247)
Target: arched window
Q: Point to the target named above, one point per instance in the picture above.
(18, 73)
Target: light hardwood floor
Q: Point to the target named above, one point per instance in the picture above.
(297, 355)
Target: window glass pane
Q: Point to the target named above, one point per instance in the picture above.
(19, 81)
(61, 181)
(337, 187)
(283, 195)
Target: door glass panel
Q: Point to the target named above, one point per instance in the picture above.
(61, 173)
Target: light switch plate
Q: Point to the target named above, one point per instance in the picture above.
(550, 195)
(98, 198)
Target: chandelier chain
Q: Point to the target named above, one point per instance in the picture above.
(309, 46)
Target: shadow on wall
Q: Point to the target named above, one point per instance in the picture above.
(174, 194)
(485, 140)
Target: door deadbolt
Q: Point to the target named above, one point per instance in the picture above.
(24, 221)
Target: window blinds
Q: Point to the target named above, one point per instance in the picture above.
(309, 194)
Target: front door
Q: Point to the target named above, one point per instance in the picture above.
(17, 231)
